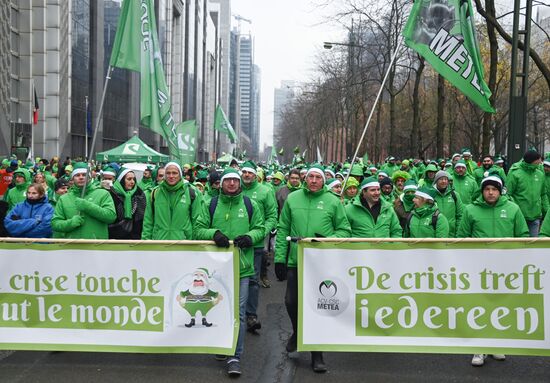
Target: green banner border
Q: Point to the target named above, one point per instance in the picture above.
(130, 348)
(490, 244)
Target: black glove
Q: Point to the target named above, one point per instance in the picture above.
(280, 271)
(15, 217)
(317, 235)
(220, 239)
(243, 241)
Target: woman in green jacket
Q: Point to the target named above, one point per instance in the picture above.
(425, 220)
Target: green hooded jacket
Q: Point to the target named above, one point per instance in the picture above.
(526, 187)
(466, 187)
(265, 198)
(171, 212)
(18, 193)
(309, 214)
(84, 218)
(362, 223)
(449, 208)
(481, 220)
(420, 225)
(231, 218)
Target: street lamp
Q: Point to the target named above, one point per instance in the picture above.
(329, 45)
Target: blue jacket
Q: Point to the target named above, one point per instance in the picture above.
(35, 220)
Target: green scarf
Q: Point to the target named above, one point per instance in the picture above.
(408, 202)
(292, 188)
(171, 191)
(126, 196)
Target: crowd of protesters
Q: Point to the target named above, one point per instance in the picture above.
(258, 206)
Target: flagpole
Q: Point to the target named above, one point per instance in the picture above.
(86, 128)
(98, 121)
(394, 56)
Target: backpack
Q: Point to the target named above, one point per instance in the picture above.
(407, 228)
(247, 204)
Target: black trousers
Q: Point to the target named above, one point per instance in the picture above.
(291, 297)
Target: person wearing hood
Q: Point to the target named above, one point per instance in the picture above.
(351, 189)
(130, 203)
(492, 215)
(6, 177)
(223, 220)
(173, 208)
(146, 182)
(370, 216)
(309, 212)
(386, 189)
(17, 194)
(464, 184)
(212, 187)
(31, 218)
(277, 181)
(294, 183)
(404, 204)
(425, 220)
(265, 198)
(429, 174)
(526, 187)
(83, 218)
(406, 167)
(448, 201)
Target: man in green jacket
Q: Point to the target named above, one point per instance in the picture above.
(18, 193)
(83, 218)
(309, 212)
(264, 196)
(146, 182)
(173, 207)
(526, 187)
(370, 216)
(464, 184)
(426, 221)
(488, 166)
(492, 215)
(448, 201)
(233, 216)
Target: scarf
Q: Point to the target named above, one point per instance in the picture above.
(126, 196)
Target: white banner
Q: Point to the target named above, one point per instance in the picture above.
(115, 297)
(454, 298)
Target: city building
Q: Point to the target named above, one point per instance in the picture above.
(283, 98)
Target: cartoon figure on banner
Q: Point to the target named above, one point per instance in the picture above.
(198, 297)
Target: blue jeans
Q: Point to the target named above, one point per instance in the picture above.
(534, 227)
(254, 285)
(243, 297)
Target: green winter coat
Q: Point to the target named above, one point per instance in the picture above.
(362, 223)
(171, 212)
(18, 193)
(84, 218)
(146, 184)
(231, 218)
(420, 225)
(209, 194)
(547, 186)
(545, 227)
(481, 220)
(526, 187)
(308, 214)
(449, 208)
(466, 187)
(265, 198)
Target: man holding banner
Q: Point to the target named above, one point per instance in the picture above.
(233, 216)
(312, 211)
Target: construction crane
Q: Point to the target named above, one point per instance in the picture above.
(239, 18)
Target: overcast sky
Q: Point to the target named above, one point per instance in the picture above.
(288, 34)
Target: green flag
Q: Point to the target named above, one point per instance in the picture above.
(136, 47)
(222, 124)
(442, 31)
(186, 137)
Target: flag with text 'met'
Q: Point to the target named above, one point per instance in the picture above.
(443, 32)
(136, 47)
